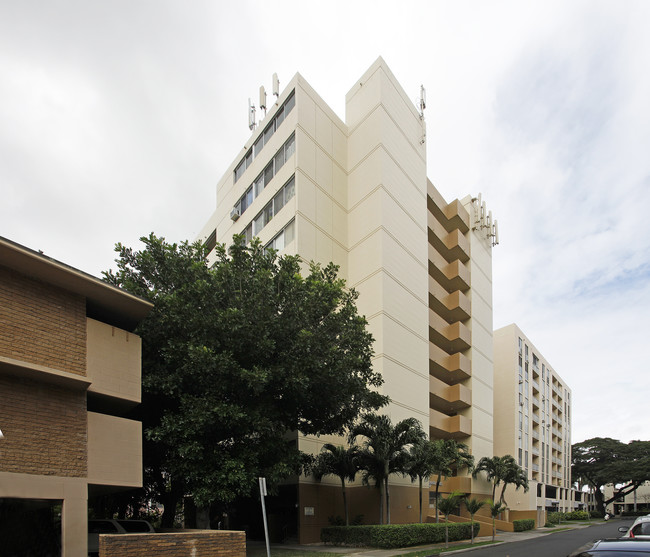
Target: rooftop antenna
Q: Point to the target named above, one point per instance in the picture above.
(251, 115)
(423, 101)
(263, 99)
(276, 86)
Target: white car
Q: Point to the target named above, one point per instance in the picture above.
(640, 529)
(110, 526)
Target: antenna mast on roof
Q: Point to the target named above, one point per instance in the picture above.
(263, 99)
(251, 115)
(276, 86)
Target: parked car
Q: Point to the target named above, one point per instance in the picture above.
(110, 526)
(618, 547)
(640, 529)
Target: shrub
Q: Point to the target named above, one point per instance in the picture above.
(388, 536)
(338, 520)
(635, 513)
(523, 524)
(555, 517)
(577, 515)
(595, 514)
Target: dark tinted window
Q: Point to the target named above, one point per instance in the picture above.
(134, 525)
(101, 527)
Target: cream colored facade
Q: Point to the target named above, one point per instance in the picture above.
(532, 422)
(356, 193)
(636, 501)
(70, 370)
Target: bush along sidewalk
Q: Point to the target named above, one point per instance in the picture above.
(523, 524)
(390, 536)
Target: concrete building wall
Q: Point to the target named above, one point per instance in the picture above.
(51, 449)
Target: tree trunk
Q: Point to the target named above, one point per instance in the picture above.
(203, 518)
(345, 502)
(472, 523)
(170, 503)
(381, 502)
(420, 499)
(387, 502)
(436, 501)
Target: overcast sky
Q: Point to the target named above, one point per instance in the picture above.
(117, 118)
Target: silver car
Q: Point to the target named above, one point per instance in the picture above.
(640, 529)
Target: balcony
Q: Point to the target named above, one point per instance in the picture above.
(454, 306)
(453, 337)
(114, 451)
(448, 399)
(113, 363)
(535, 386)
(452, 245)
(453, 483)
(452, 275)
(535, 402)
(450, 215)
(449, 427)
(450, 369)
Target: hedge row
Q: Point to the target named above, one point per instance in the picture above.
(640, 512)
(388, 536)
(523, 524)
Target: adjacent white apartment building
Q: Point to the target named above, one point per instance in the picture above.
(532, 415)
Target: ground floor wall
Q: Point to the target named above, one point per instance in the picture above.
(317, 503)
(71, 493)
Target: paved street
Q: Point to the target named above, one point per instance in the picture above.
(538, 543)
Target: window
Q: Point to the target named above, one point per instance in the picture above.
(272, 207)
(267, 175)
(284, 238)
(258, 184)
(211, 242)
(265, 137)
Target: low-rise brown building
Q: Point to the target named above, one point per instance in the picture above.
(70, 370)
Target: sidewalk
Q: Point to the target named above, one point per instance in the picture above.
(501, 537)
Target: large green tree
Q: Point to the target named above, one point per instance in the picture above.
(384, 450)
(236, 354)
(603, 460)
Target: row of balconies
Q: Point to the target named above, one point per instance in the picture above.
(449, 306)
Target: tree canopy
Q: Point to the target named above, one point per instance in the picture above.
(236, 354)
(603, 460)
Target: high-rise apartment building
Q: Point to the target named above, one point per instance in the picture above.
(356, 193)
(532, 415)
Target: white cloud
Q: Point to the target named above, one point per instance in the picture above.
(117, 119)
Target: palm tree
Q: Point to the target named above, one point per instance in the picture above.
(512, 474)
(495, 510)
(336, 460)
(451, 456)
(493, 469)
(473, 506)
(422, 462)
(448, 505)
(384, 450)
(502, 470)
